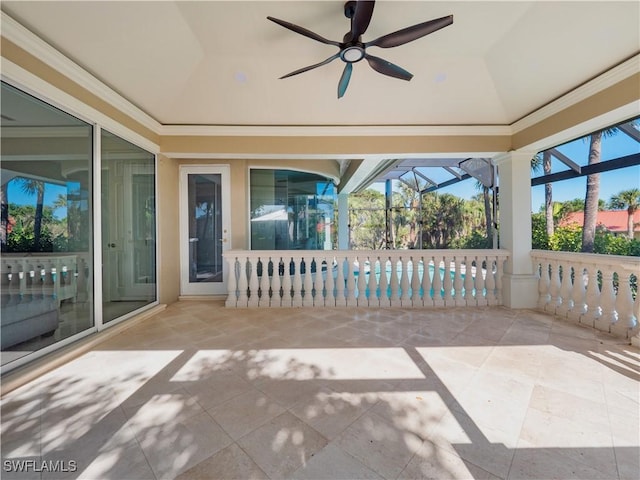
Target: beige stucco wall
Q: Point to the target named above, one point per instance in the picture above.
(334, 145)
(168, 231)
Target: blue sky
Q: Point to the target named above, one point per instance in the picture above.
(611, 182)
(51, 192)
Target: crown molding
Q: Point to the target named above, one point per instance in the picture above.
(334, 131)
(607, 79)
(27, 40)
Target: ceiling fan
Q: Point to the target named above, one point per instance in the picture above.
(352, 49)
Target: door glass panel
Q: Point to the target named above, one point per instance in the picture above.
(46, 233)
(128, 227)
(205, 228)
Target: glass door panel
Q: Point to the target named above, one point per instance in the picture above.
(128, 228)
(205, 234)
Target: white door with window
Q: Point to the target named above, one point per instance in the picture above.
(204, 228)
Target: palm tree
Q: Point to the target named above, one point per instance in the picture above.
(548, 194)
(35, 187)
(629, 199)
(409, 199)
(592, 195)
(487, 209)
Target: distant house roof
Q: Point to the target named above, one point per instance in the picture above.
(613, 220)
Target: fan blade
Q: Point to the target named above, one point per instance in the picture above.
(303, 31)
(361, 18)
(344, 79)
(311, 67)
(410, 34)
(387, 68)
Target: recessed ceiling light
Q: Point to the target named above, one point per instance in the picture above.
(440, 77)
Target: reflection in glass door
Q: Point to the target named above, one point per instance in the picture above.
(204, 232)
(128, 227)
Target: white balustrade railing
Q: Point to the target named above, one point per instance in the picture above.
(364, 278)
(595, 290)
(59, 276)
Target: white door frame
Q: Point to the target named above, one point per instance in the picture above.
(204, 288)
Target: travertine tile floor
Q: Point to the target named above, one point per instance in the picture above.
(200, 391)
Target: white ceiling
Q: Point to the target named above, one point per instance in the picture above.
(218, 63)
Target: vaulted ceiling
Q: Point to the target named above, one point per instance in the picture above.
(219, 63)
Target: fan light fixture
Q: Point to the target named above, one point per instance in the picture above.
(352, 49)
(352, 54)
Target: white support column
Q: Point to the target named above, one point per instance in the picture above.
(520, 285)
(343, 221)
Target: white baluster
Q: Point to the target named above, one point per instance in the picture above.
(393, 282)
(498, 275)
(372, 285)
(458, 299)
(447, 283)
(438, 299)
(232, 285)
(427, 299)
(384, 294)
(490, 282)
(276, 283)
(469, 299)
(318, 283)
(607, 302)
(286, 282)
(341, 300)
(253, 283)
(416, 301)
(22, 276)
(307, 300)
(330, 299)
(352, 301)
(405, 297)
(592, 297)
(544, 284)
(479, 283)
(265, 284)
(635, 332)
(362, 300)
(566, 286)
(578, 294)
(624, 306)
(554, 288)
(243, 284)
(297, 282)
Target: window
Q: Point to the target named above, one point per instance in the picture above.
(291, 210)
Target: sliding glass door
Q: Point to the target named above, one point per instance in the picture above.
(128, 227)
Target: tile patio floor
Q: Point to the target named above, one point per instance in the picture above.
(199, 391)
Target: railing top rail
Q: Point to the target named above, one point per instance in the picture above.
(372, 253)
(589, 258)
